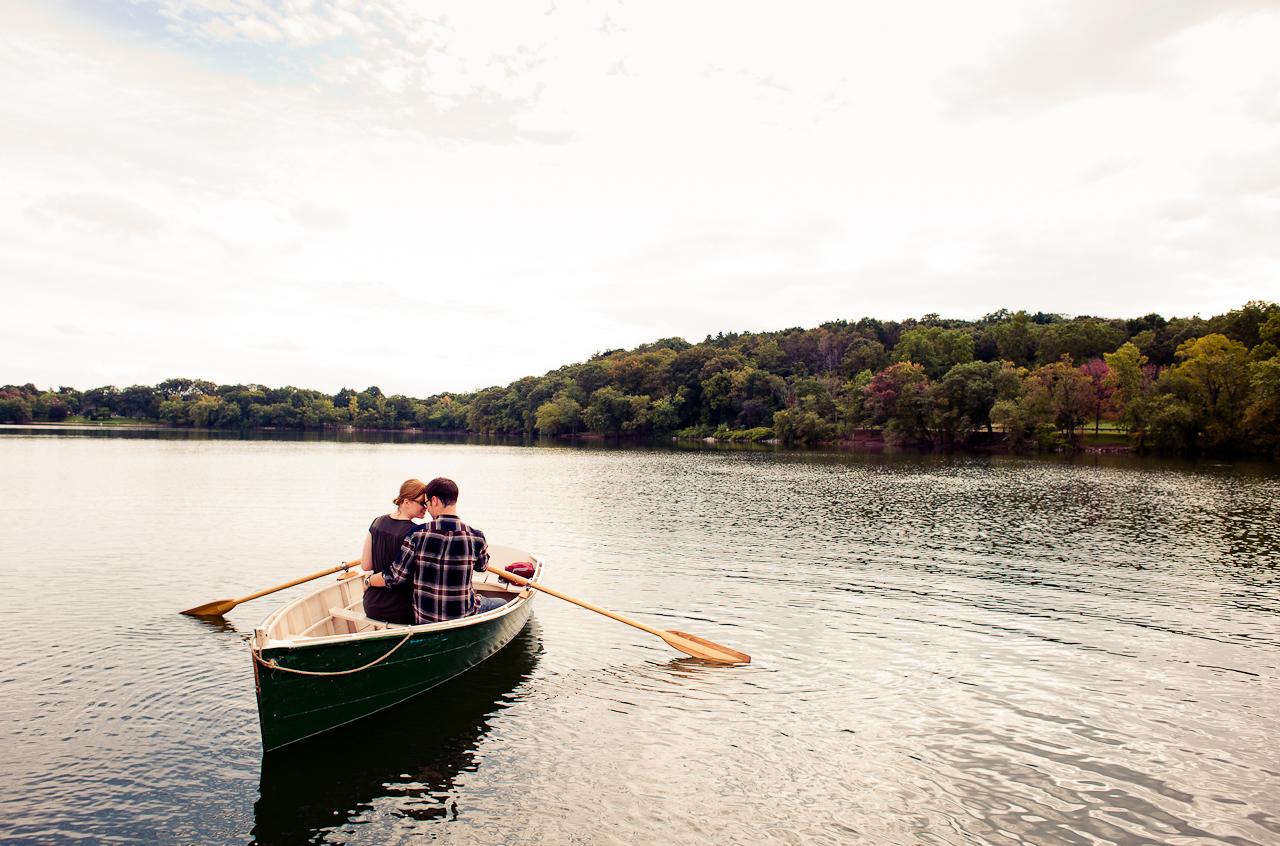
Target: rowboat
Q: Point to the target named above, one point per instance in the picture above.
(319, 662)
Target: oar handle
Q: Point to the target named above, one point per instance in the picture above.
(521, 580)
(346, 566)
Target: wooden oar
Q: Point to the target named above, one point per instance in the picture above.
(686, 643)
(222, 606)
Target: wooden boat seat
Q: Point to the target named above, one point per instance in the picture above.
(357, 617)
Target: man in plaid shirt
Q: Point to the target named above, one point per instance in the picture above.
(439, 559)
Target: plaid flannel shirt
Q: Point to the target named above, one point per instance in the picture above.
(439, 559)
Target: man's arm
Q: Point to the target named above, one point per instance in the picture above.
(482, 557)
(398, 572)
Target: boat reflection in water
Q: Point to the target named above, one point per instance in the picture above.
(415, 749)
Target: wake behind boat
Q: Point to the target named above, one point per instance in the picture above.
(319, 662)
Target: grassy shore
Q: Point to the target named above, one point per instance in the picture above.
(85, 421)
(1105, 438)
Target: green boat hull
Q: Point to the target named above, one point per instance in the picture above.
(292, 706)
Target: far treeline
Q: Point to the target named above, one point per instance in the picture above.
(1175, 386)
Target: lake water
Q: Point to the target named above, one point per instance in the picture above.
(946, 649)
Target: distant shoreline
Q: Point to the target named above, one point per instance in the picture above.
(1183, 386)
(862, 440)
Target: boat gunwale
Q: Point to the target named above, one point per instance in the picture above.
(261, 643)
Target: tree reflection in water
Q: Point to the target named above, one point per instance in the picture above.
(413, 751)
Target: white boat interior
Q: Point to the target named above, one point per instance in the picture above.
(335, 611)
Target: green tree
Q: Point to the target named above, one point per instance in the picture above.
(1014, 420)
(319, 412)
(1262, 418)
(608, 411)
(963, 400)
(1168, 425)
(444, 412)
(664, 415)
(1049, 347)
(558, 416)
(641, 372)
(769, 357)
(398, 411)
(1245, 324)
(71, 398)
(243, 397)
(637, 422)
(1014, 339)
(852, 407)
(485, 414)
(753, 385)
(1128, 381)
(813, 395)
(15, 410)
(227, 416)
(1010, 381)
(1215, 370)
(182, 388)
(1087, 338)
(864, 354)
(139, 401)
(204, 412)
(798, 425)
(1060, 394)
(1268, 346)
(101, 402)
(718, 397)
(176, 412)
(936, 348)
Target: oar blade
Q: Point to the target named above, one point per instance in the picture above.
(212, 609)
(700, 647)
(689, 644)
(222, 606)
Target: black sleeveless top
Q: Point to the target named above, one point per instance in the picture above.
(393, 604)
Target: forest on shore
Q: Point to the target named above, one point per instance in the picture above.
(1173, 386)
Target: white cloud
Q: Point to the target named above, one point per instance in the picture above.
(302, 207)
(257, 29)
(1080, 48)
(105, 214)
(1107, 169)
(315, 217)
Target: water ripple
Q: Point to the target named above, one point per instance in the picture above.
(946, 650)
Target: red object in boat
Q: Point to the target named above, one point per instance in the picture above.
(524, 569)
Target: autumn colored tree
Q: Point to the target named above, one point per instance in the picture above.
(898, 399)
(1098, 372)
(1177, 384)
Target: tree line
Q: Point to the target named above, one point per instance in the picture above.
(1177, 385)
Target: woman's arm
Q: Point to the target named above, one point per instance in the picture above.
(366, 556)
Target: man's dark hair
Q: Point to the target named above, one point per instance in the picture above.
(445, 489)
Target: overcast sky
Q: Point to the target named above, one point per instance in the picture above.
(433, 196)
